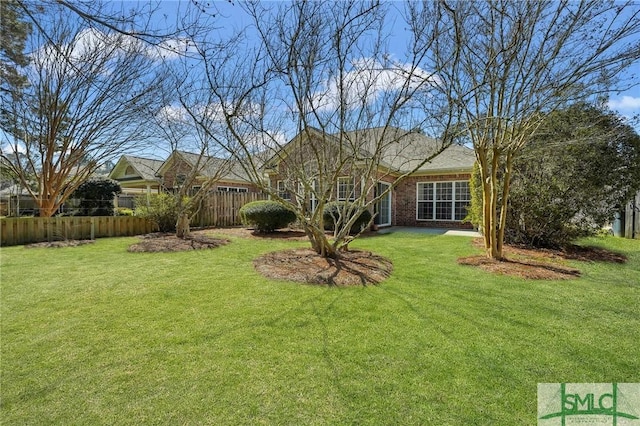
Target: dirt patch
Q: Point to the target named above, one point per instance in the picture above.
(305, 265)
(162, 242)
(63, 243)
(540, 264)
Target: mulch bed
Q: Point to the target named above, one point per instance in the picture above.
(63, 243)
(540, 264)
(164, 242)
(306, 266)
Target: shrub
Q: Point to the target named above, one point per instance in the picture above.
(123, 211)
(96, 197)
(266, 215)
(333, 212)
(162, 210)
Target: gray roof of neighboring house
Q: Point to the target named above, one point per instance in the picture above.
(146, 167)
(13, 189)
(211, 166)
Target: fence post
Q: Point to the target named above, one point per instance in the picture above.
(93, 229)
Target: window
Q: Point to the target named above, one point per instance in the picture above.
(309, 196)
(346, 189)
(463, 200)
(231, 189)
(442, 200)
(282, 191)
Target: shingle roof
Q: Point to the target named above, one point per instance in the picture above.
(212, 165)
(404, 150)
(145, 167)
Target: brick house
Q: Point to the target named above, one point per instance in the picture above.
(434, 195)
(138, 175)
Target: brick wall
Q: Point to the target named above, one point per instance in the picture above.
(405, 200)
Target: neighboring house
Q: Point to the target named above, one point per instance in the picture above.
(436, 195)
(228, 175)
(15, 200)
(137, 175)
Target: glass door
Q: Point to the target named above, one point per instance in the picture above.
(383, 207)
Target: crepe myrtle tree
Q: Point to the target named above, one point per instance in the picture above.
(506, 65)
(313, 110)
(196, 162)
(88, 98)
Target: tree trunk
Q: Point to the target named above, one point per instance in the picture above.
(319, 242)
(182, 226)
(46, 207)
(490, 185)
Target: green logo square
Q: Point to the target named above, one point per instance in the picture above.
(606, 404)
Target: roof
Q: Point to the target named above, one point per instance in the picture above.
(211, 166)
(402, 150)
(146, 168)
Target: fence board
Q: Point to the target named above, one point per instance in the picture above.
(25, 230)
(222, 208)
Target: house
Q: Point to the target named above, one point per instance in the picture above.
(15, 200)
(138, 175)
(435, 194)
(228, 175)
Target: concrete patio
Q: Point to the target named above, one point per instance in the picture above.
(431, 231)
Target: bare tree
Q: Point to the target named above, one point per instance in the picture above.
(197, 161)
(89, 97)
(314, 110)
(506, 64)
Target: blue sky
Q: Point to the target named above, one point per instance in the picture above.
(231, 17)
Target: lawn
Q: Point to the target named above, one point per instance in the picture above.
(97, 335)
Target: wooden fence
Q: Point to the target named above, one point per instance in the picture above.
(217, 209)
(222, 208)
(25, 230)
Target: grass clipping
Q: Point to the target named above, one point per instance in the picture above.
(306, 266)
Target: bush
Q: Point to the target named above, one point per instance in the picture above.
(162, 210)
(123, 211)
(96, 197)
(334, 211)
(266, 215)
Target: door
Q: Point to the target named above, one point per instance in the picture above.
(383, 207)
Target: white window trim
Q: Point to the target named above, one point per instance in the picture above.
(232, 189)
(453, 200)
(283, 191)
(352, 192)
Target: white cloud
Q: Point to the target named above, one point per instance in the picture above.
(367, 81)
(626, 104)
(91, 43)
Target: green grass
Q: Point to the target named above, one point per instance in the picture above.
(97, 335)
